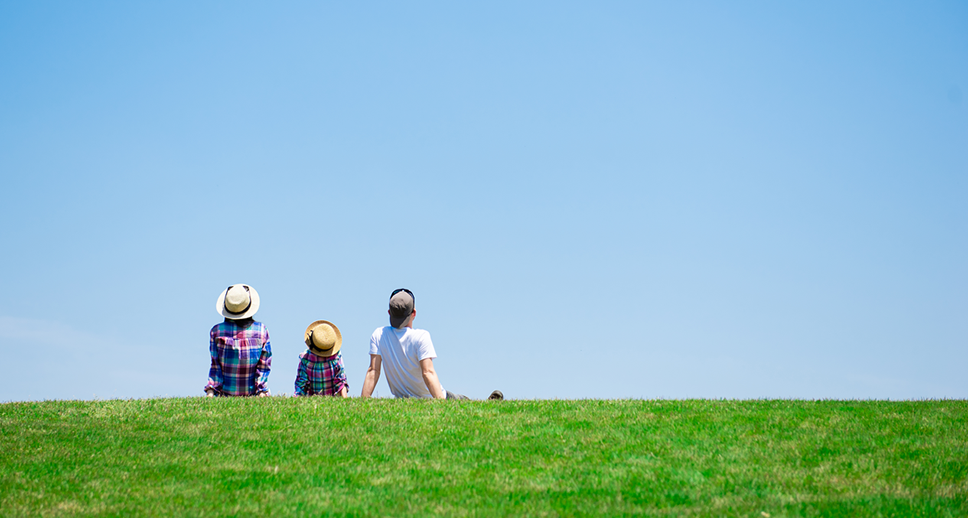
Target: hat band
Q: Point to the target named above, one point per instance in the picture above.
(246, 308)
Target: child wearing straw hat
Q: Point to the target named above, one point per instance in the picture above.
(320, 370)
(239, 346)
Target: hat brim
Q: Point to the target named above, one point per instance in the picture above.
(323, 353)
(253, 308)
(398, 322)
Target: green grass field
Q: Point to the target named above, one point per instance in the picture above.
(324, 456)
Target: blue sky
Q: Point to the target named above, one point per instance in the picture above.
(589, 199)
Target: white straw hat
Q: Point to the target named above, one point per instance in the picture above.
(237, 302)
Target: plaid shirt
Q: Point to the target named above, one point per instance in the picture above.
(241, 358)
(319, 376)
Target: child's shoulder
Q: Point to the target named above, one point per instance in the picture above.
(309, 357)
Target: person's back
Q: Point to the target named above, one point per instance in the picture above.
(408, 354)
(320, 370)
(241, 356)
(401, 350)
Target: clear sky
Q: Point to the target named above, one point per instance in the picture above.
(589, 199)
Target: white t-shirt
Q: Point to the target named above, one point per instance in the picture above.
(400, 351)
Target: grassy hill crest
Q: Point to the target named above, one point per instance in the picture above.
(325, 456)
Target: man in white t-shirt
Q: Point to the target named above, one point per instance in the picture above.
(406, 353)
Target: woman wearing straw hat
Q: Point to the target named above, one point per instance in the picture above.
(320, 370)
(241, 355)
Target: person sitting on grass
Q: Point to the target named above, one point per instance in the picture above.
(408, 354)
(241, 354)
(320, 371)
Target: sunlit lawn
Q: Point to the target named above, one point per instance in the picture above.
(286, 456)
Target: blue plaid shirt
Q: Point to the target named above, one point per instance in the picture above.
(241, 359)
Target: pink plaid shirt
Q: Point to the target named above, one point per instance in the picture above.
(320, 376)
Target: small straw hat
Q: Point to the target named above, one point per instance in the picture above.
(237, 302)
(323, 338)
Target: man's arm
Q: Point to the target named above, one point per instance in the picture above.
(430, 378)
(372, 375)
